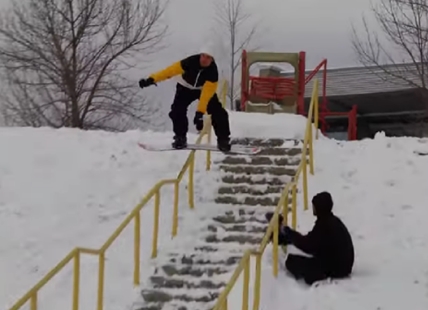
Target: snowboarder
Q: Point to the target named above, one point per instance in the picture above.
(198, 79)
(329, 243)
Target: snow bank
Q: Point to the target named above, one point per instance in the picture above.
(65, 188)
(261, 125)
(379, 188)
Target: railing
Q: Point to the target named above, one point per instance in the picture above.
(323, 107)
(135, 216)
(283, 208)
(272, 88)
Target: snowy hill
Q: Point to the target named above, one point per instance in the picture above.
(65, 188)
(379, 188)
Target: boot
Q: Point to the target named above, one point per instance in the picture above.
(180, 142)
(224, 144)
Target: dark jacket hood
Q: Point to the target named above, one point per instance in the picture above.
(323, 204)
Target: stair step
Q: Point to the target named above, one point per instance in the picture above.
(238, 228)
(262, 142)
(255, 179)
(163, 282)
(240, 219)
(241, 239)
(178, 305)
(194, 271)
(243, 189)
(248, 200)
(279, 152)
(276, 170)
(261, 160)
(164, 296)
(224, 249)
(193, 259)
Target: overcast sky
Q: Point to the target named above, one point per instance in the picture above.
(319, 27)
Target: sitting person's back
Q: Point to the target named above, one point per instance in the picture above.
(329, 243)
(335, 248)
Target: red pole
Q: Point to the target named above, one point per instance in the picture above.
(244, 78)
(301, 84)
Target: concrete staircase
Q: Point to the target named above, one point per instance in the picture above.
(192, 275)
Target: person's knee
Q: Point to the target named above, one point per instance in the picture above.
(177, 112)
(292, 263)
(215, 107)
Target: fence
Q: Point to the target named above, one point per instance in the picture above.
(135, 216)
(282, 207)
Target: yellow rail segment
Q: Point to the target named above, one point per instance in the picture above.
(134, 216)
(283, 206)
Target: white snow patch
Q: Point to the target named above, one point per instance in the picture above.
(260, 125)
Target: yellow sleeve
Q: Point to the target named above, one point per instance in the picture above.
(167, 73)
(208, 90)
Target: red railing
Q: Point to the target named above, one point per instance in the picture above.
(244, 76)
(352, 120)
(272, 88)
(276, 88)
(323, 106)
(352, 125)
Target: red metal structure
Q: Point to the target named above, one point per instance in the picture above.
(279, 88)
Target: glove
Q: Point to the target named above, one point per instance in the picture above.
(146, 82)
(286, 236)
(198, 120)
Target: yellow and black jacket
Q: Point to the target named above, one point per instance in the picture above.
(193, 76)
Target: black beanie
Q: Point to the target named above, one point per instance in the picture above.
(323, 203)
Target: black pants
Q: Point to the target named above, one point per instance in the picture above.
(183, 98)
(306, 268)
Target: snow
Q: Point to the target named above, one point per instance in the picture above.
(65, 188)
(379, 189)
(260, 125)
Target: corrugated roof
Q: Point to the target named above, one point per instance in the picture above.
(365, 80)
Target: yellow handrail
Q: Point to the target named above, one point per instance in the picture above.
(281, 208)
(135, 214)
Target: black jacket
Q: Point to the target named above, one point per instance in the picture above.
(330, 243)
(195, 76)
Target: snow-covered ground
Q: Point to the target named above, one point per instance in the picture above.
(65, 188)
(380, 191)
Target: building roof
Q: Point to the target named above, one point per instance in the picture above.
(365, 80)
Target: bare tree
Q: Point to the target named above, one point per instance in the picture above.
(400, 56)
(233, 19)
(65, 62)
(404, 44)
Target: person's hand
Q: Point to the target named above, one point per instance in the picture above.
(286, 235)
(198, 120)
(146, 82)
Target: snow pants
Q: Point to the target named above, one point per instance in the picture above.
(306, 268)
(178, 114)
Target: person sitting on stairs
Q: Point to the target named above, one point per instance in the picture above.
(329, 244)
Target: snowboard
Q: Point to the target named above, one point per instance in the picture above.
(235, 149)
